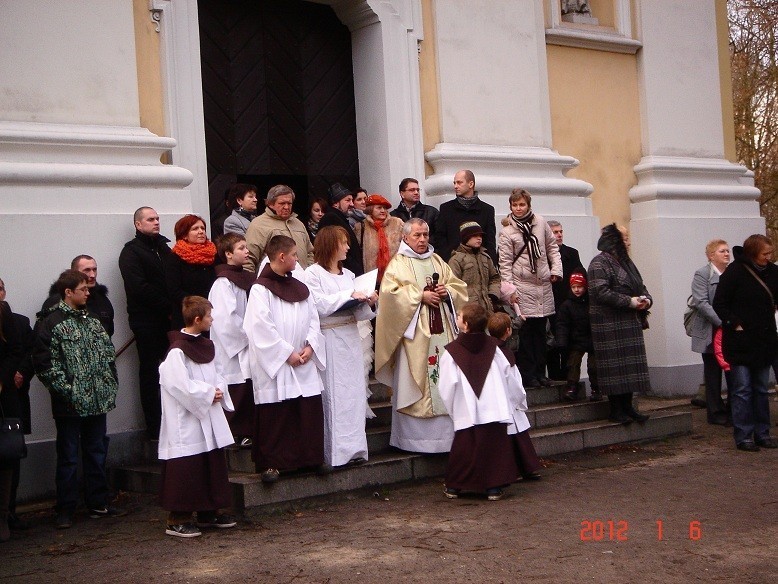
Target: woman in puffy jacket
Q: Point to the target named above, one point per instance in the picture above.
(529, 259)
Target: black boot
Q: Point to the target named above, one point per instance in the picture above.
(571, 394)
(630, 410)
(617, 410)
(596, 394)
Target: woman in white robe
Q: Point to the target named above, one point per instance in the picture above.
(344, 397)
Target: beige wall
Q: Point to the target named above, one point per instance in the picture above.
(595, 117)
(428, 82)
(725, 73)
(147, 53)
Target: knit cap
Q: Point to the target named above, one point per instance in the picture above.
(578, 278)
(468, 230)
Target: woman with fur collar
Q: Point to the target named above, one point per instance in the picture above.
(379, 235)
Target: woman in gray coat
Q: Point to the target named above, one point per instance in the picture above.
(618, 307)
(705, 321)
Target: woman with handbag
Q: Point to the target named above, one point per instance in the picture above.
(618, 308)
(10, 355)
(704, 321)
(745, 303)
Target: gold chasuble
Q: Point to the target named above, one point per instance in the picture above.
(399, 303)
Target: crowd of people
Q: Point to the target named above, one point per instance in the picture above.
(266, 338)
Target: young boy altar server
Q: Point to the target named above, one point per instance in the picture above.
(194, 429)
(229, 296)
(478, 388)
(286, 353)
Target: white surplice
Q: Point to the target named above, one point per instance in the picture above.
(275, 329)
(345, 391)
(191, 422)
(499, 399)
(232, 345)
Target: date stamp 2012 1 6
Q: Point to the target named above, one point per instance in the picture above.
(618, 530)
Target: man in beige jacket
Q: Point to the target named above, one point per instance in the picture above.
(277, 219)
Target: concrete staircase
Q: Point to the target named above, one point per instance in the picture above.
(557, 428)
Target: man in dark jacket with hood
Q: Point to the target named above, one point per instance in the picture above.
(141, 263)
(98, 304)
(465, 207)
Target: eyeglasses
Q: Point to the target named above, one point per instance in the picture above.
(82, 289)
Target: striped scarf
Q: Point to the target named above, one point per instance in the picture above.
(524, 225)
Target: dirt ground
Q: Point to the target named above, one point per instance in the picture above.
(718, 509)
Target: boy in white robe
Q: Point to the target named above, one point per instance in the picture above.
(229, 296)
(194, 429)
(476, 385)
(286, 353)
(501, 328)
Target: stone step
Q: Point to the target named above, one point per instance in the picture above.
(539, 396)
(393, 466)
(575, 437)
(544, 416)
(379, 391)
(383, 412)
(250, 491)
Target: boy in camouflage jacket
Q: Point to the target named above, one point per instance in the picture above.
(75, 360)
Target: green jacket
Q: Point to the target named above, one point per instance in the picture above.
(75, 360)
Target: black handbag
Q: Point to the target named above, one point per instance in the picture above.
(12, 446)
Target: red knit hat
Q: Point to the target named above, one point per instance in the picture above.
(578, 278)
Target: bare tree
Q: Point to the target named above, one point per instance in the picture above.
(753, 26)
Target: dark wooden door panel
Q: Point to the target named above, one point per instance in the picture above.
(278, 96)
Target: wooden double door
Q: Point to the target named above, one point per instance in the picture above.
(278, 95)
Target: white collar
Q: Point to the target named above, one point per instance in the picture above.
(406, 250)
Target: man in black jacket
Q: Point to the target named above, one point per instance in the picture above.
(411, 206)
(465, 207)
(556, 358)
(341, 202)
(98, 304)
(141, 263)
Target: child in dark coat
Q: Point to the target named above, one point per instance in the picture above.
(574, 332)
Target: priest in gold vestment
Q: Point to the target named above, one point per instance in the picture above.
(416, 285)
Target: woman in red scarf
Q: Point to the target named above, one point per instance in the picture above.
(189, 270)
(379, 235)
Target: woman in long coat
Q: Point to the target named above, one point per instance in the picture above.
(619, 302)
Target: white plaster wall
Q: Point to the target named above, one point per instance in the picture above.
(492, 72)
(680, 83)
(68, 61)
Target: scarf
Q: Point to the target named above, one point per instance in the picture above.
(313, 227)
(195, 347)
(467, 203)
(246, 214)
(355, 216)
(287, 288)
(237, 275)
(199, 254)
(382, 260)
(524, 225)
(473, 353)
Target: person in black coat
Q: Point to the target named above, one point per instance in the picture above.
(142, 265)
(745, 301)
(465, 207)
(411, 206)
(10, 356)
(341, 202)
(22, 378)
(557, 357)
(574, 334)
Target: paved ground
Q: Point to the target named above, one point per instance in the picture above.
(593, 518)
